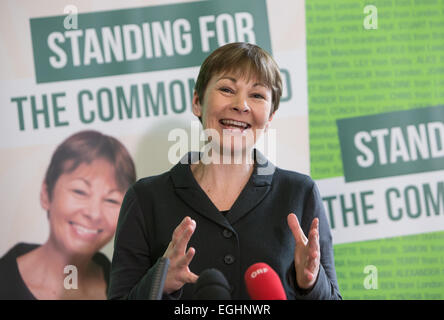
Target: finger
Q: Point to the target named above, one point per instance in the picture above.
(313, 261)
(314, 225)
(293, 224)
(169, 250)
(313, 240)
(181, 229)
(186, 259)
(182, 243)
(295, 228)
(313, 253)
(191, 277)
(177, 233)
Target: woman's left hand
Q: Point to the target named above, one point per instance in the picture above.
(307, 253)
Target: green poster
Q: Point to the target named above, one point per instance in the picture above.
(376, 75)
(143, 39)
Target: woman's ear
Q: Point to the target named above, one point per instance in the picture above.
(197, 107)
(44, 197)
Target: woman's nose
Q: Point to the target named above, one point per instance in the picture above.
(241, 104)
(93, 210)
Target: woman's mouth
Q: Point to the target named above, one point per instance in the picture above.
(234, 124)
(84, 231)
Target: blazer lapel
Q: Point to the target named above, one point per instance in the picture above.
(191, 193)
(254, 192)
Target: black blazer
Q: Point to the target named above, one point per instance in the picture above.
(254, 230)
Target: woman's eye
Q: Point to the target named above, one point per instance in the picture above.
(225, 89)
(112, 201)
(258, 96)
(79, 192)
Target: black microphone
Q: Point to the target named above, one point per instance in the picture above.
(159, 276)
(211, 285)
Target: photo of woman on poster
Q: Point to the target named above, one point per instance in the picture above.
(82, 192)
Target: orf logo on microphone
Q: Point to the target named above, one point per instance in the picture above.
(263, 283)
(255, 273)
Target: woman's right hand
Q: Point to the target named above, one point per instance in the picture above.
(178, 272)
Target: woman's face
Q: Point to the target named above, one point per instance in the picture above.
(84, 208)
(237, 108)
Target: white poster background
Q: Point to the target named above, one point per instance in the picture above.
(384, 227)
(25, 155)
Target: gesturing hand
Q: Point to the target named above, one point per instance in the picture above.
(178, 272)
(307, 253)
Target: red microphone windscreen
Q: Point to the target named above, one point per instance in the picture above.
(263, 283)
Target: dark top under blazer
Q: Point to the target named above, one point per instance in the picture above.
(12, 286)
(254, 230)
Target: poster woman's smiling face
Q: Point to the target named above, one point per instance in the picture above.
(83, 208)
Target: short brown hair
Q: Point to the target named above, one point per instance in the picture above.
(85, 147)
(243, 59)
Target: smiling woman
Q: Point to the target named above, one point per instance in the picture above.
(231, 214)
(237, 92)
(81, 193)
